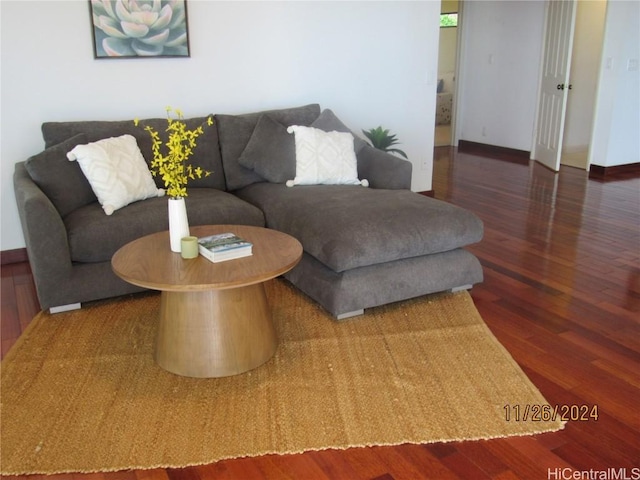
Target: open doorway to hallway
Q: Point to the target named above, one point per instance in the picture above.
(570, 67)
(585, 66)
(448, 47)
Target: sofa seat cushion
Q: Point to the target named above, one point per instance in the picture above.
(95, 237)
(345, 226)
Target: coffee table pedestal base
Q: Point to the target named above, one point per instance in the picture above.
(215, 333)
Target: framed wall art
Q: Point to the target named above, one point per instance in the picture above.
(139, 28)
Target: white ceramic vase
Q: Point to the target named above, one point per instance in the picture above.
(178, 222)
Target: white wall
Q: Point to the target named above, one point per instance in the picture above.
(498, 81)
(373, 63)
(448, 48)
(585, 67)
(617, 121)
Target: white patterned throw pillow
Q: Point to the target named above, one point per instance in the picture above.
(116, 171)
(324, 158)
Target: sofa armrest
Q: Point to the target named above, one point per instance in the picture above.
(44, 233)
(384, 170)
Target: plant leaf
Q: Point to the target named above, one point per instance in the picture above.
(398, 151)
(382, 140)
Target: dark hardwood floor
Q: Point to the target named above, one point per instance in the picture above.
(561, 293)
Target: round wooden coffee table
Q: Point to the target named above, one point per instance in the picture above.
(215, 320)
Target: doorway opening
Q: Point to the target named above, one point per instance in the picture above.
(447, 58)
(585, 68)
(568, 83)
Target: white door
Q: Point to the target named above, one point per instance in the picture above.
(555, 86)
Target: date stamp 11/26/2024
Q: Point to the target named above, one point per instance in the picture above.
(546, 413)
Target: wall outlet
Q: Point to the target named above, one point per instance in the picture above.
(484, 131)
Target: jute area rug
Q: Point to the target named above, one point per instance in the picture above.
(81, 392)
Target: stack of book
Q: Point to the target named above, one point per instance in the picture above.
(223, 247)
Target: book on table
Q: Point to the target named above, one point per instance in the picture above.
(224, 246)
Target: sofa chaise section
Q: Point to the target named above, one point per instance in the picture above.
(366, 247)
(363, 247)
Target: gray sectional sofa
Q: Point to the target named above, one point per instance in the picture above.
(363, 247)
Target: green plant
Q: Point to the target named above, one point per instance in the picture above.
(172, 167)
(382, 140)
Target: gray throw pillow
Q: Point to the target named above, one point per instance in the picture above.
(61, 180)
(270, 152)
(236, 130)
(328, 122)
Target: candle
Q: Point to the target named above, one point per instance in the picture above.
(189, 247)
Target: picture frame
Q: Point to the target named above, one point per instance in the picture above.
(139, 28)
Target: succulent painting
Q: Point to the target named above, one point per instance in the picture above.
(126, 28)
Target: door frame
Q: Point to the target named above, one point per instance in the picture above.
(458, 108)
(565, 82)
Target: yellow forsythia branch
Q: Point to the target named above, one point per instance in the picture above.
(172, 166)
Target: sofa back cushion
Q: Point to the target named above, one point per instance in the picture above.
(235, 131)
(61, 180)
(206, 154)
(329, 122)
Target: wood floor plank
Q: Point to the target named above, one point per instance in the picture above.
(477, 453)
(336, 465)
(296, 466)
(517, 460)
(561, 258)
(364, 462)
(463, 467)
(155, 474)
(231, 470)
(411, 461)
(536, 452)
